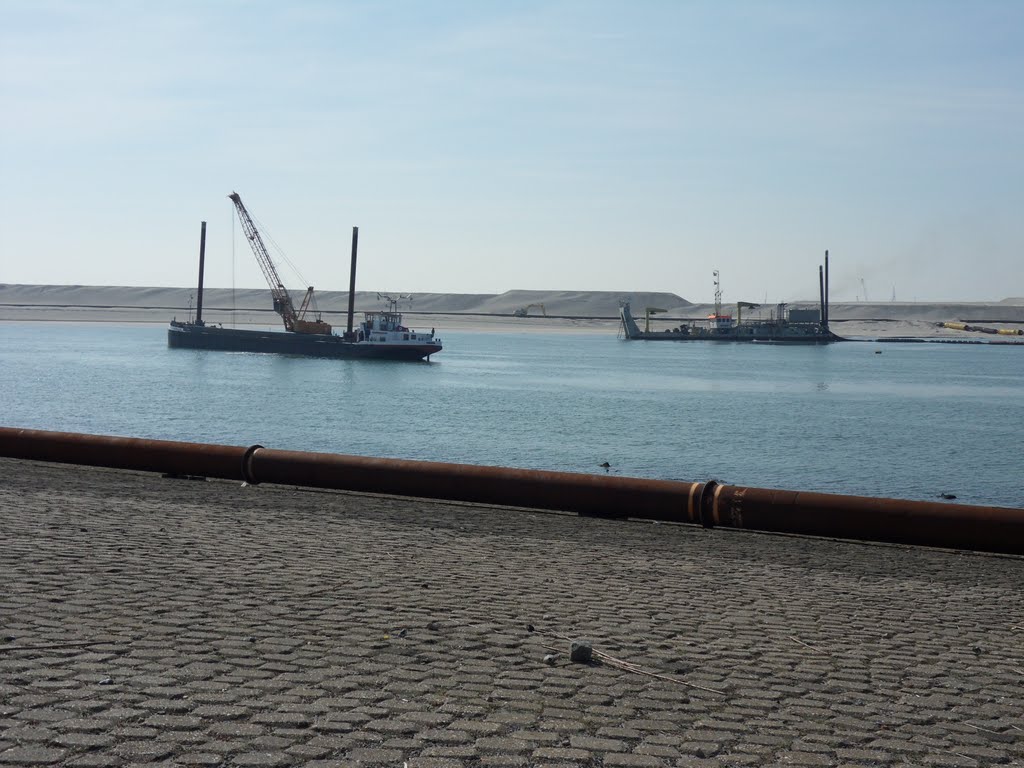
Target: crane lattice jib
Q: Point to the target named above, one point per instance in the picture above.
(282, 300)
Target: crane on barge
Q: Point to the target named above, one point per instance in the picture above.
(294, 321)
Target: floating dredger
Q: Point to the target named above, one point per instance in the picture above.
(380, 335)
(806, 326)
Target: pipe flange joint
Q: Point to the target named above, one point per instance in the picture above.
(706, 504)
(247, 472)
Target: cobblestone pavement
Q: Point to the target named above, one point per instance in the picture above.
(154, 621)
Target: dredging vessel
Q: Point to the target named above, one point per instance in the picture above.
(801, 326)
(380, 335)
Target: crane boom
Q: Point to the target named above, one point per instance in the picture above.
(283, 305)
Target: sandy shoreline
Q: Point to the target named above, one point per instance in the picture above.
(583, 312)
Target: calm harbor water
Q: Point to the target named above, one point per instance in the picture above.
(912, 422)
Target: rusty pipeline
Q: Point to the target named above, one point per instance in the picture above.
(991, 529)
(598, 495)
(927, 523)
(223, 461)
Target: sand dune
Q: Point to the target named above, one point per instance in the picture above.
(579, 310)
(576, 303)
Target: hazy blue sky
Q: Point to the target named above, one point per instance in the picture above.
(485, 146)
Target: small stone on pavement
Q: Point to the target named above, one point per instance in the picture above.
(581, 650)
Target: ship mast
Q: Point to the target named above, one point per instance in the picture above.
(718, 296)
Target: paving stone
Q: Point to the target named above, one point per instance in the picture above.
(561, 753)
(215, 712)
(950, 760)
(200, 758)
(428, 718)
(733, 760)
(445, 736)
(540, 738)
(135, 732)
(142, 750)
(308, 751)
(261, 758)
(455, 751)
(862, 755)
(236, 729)
(620, 733)
(633, 760)
(85, 740)
(263, 624)
(282, 719)
(477, 727)
(984, 755)
(392, 726)
(503, 744)
(803, 758)
(122, 713)
(370, 756)
(173, 722)
(44, 715)
(95, 760)
(28, 733)
(271, 743)
(33, 755)
(663, 750)
(504, 761)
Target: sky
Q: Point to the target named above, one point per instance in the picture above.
(485, 146)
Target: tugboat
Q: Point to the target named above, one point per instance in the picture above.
(785, 326)
(380, 335)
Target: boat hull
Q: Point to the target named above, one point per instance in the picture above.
(752, 337)
(192, 336)
(763, 332)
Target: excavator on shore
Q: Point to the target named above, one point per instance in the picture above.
(294, 320)
(524, 311)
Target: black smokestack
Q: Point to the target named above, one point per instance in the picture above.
(352, 281)
(821, 292)
(826, 289)
(202, 266)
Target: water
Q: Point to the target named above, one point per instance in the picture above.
(914, 421)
